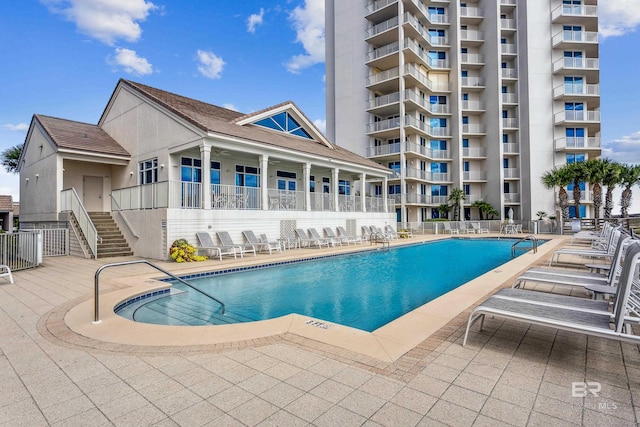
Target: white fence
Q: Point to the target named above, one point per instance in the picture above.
(21, 250)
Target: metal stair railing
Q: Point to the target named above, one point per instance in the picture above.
(530, 238)
(70, 202)
(96, 289)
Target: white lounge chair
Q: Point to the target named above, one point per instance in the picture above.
(261, 244)
(290, 241)
(608, 253)
(342, 233)
(307, 241)
(448, 229)
(328, 231)
(600, 324)
(5, 271)
(464, 229)
(313, 233)
(391, 232)
(366, 232)
(207, 245)
(243, 248)
(478, 229)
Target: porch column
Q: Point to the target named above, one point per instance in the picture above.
(385, 194)
(306, 178)
(363, 194)
(264, 188)
(334, 185)
(205, 191)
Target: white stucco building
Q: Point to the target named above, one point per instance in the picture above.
(165, 167)
(480, 95)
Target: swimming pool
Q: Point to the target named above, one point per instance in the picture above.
(363, 290)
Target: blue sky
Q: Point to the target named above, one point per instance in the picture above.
(63, 58)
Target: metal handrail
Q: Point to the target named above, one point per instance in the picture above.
(124, 219)
(530, 238)
(84, 221)
(377, 237)
(96, 296)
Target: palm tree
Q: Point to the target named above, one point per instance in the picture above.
(596, 171)
(578, 173)
(456, 197)
(611, 179)
(10, 157)
(443, 210)
(629, 176)
(558, 177)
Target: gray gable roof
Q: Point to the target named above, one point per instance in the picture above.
(217, 120)
(72, 135)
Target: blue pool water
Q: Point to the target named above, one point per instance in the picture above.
(363, 290)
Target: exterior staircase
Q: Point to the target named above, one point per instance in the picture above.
(113, 242)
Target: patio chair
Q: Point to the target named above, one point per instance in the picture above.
(290, 241)
(594, 323)
(464, 229)
(261, 244)
(608, 253)
(328, 231)
(448, 229)
(380, 233)
(207, 245)
(391, 232)
(243, 248)
(366, 232)
(315, 235)
(342, 233)
(307, 241)
(478, 229)
(5, 271)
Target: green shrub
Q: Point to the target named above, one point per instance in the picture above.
(182, 251)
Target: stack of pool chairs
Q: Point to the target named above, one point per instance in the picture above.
(614, 286)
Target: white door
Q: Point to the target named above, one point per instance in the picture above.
(92, 193)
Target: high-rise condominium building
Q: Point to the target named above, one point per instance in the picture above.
(483, 96)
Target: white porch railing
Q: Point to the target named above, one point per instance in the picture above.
(235, 197)
(70, 202)
(285, 200)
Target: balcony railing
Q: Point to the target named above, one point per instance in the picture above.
(383, 51)
(583, 143)
(511, 172)
(474, 152)
(428, 176)
(508, 49)
(474, 176)
(285, 200)
(235, 197)
(383, 150)
(433, 131)
(431, 62)
(576, 64)
(474, 128)
(577, 116)
(510, 98)
(472, 35)
(381, 27)
(471, 12)
(380, 101)
(509, 73)
(575, 37)
(510, 123)
(472, 81)
(414, 72)
(419, 28)
(427, 152)
(391, 73)
(472, 58)
(511, 148)
(377, 5)
(473, 105)
(383, 125)
(576, 89)
(512, 197)
(507, 2)
(424, 103)
(574, 11)
(508, 24)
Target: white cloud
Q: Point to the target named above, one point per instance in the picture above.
(211, 65)
(623, 150)
(254, 20)
(321, 124)
(230, 107)
(131, 62)
(618, 17)
(20, 127)
(308, 22)
(105, 20)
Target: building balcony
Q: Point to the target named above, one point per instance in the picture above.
(586, 196)
(577, 40)
(508, 49)
(436, 109)
(478, 106)
(507, 2)
(416, 30)
(382, 33)
(385, 81)
(424, 199)
(472, 59)
(576, 91)
(379, 6)
(471, 13)
(509, 98)
(384, 128)
(471, 83)
(508, 24)
(511, 148)
(424, 151)
(420, 55)
(473, 37)
(567, 13)
(578, 143)
(474, 152)
(384, 150)
(384, 57)
(510, 123)
(510, 173)
(384, 105)
(512, 198)
(427, 129)
(474, 129)
(474, 176)
(428, 175)
(413, 71)
(472, 198)
(577, 117)
(509, 73)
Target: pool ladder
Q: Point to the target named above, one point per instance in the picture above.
(378, 237)
(530, 238)
(96, 296)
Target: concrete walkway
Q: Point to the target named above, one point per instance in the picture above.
(509, 374)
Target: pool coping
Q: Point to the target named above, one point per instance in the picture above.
(387, 343)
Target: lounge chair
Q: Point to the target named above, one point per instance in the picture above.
(328, 231)
(571, 319)
(260, 244)
(464, 229)
(307, 241)
(447, 228)
(608, 253)
(575, 278)
(391, 232)
(313, 233)
(342, 233)
(378, 232)
(243, 248)
(290, 241)
(5, 271)
(366, 232)
(207, 245)
(478, 229)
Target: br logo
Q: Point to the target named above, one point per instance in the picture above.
(579, 389)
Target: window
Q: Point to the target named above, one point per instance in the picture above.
(148, 171)
(506, 187)
(394, 189)
(505, 163)
(326, 185)
(436, 55)
(572, 32)
(503, 40)
(247, 176)
(215, 172)
(575, 158)
(573, 85)
(503, 89)
(505, 138)
(465, 120)
(377, 190)
(465, 142)
(465, 96)
(286, 180)
(436, 10)
(312, 184)
(395, 167)
(575, 137)
(464, 73)
(574, 110)
(503, 65)
(423, 141)
(572, 211)
(344, 187)
(438, 167)
(437, 145)
(284, 122)
(467, 189)
(433, 100)
(190, 170)
(465, 166)
(438, 122)
(464, 50)
(438, 190)
(505, 114)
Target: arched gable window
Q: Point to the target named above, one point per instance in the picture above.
(284, 122)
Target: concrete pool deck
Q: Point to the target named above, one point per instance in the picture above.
(58, 368)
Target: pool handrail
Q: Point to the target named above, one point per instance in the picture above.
(531, 238)
(96, 290)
